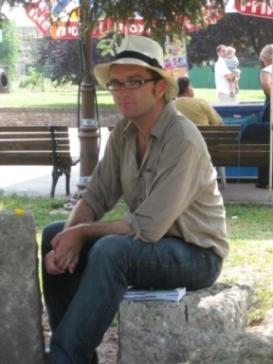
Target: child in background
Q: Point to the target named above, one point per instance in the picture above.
(232, 63)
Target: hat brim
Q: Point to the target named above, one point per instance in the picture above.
(102, 74)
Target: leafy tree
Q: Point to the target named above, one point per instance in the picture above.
(246, 33)
(65, 61)
(9, 47)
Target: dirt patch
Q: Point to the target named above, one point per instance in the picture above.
(107, 350)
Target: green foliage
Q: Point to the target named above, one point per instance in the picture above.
(34, 80)
(9, 47)
(108, 45)
(158, 15)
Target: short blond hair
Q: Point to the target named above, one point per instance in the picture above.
(267, 53)
(230, 52)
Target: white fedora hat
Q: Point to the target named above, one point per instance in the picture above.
(140, 51)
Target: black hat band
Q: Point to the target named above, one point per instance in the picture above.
(132, 54)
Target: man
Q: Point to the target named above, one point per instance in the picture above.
(222, 77)
(197, 110)
(174, 232)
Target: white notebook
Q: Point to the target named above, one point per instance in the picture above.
(174, 295)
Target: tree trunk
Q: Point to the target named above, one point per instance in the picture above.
(88, 130)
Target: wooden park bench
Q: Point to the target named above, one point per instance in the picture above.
(226, 150)
(38, 145)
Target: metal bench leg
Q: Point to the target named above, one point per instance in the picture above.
(222, 173)
(56, 173)
(67, 181)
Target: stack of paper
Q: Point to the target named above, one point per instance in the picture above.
(174, 295)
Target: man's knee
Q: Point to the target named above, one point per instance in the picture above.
(112, 247)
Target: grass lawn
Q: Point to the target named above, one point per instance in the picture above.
(59, 98)
(249, 233)
(66, 97)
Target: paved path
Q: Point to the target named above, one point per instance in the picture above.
(36, 180)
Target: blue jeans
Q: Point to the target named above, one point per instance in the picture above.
(82, 305)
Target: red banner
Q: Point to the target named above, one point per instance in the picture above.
(39, 13)
(66, 26)
(258, 8)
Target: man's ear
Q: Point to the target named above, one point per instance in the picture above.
(161, 87)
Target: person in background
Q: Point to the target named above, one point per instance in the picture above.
(174, 232)
(266, 55)
(199, 111)
(232, 62)
(222, 77)
(196, 109)
(265, 79)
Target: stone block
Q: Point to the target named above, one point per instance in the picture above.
(21, 338)
(201, 329)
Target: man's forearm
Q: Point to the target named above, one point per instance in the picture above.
(82, 213)
(230, 76)
(97, 229)
(84, 217)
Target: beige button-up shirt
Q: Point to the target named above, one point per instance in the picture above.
(174, 192)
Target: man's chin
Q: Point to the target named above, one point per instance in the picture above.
(128, 114)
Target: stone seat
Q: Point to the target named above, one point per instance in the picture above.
(202, 328)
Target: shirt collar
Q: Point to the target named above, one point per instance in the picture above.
(159, 129)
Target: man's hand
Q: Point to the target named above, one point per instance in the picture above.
(68, 243)
(50, 264)
(67, 246)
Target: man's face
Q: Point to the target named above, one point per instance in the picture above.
(222, 52)
(135, 102)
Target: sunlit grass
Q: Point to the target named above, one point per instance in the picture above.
(67, 97)
(251, 252)
(244, 95)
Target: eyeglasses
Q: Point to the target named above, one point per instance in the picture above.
(115, 85)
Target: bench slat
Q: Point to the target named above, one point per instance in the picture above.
(33, 158)
(33, 144)
(252, 148)
(29, 135)
(32, 128)
(225, 150)
(224, 128)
